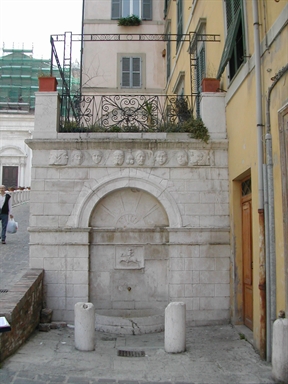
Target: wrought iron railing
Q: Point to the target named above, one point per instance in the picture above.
(123, 112)
(126, 113)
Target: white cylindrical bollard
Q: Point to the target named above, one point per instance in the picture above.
(84, 314)
(280, 350)
(175, 327)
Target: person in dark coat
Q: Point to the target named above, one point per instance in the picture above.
(5, 211)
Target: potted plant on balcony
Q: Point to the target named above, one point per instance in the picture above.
(210, 84)
(47, 83)
(129, 21)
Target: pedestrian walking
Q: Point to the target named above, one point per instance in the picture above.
(5, 211)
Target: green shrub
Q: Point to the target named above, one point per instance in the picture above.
(129, 21)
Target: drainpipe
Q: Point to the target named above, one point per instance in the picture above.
(271, 253)
(259, 124)
(81, 49)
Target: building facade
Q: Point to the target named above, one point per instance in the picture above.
(250, 63)
(217, 240)
(129, 220)
(111, 66)
(19, 73)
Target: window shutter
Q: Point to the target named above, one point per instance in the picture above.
(201, 70)
(116, 9)
(125, 72)
(179, 21)
(229, 43)
(136, 8)
(136, 72)
(166, 7)
(168, 57)
(200, 74)
(146, 9)
(131, 72)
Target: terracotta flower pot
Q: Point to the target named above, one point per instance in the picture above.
(47, 84)
(210, 85)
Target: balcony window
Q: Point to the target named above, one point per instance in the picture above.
(234, 48)
(125, 8)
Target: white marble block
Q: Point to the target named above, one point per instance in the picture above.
(175, 327)
(84, 326)
(280, 350)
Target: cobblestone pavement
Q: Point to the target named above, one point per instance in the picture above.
(214, 354)
(14, 255)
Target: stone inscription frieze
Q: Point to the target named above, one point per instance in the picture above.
(132, 158)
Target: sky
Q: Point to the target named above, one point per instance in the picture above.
(31, 22)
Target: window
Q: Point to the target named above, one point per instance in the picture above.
(131, 72)
(166, 6)
(234, 49)
(200, 74)
(124, 8)
(198, 52)
(246, 187)
(168, 62)
(179, 21)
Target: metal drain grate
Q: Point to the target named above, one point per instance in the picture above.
(3, 290)
(130, 353)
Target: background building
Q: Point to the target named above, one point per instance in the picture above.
(125, 66)
(19, 72)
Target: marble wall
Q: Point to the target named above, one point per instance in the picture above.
(131, 221)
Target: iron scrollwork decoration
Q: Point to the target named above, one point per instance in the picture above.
(127, 113)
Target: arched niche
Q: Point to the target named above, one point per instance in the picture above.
(128, 253)
(129, 208)
(94, 191)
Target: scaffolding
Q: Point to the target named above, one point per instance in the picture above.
(19, 73)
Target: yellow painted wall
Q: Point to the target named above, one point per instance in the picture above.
(180, 60)
(241, 125)
(242, 135)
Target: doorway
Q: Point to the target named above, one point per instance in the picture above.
(247, 253)
(10, 176)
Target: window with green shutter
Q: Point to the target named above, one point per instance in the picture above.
(124, 8)
(179, 21)
(131, 72)
(116, 9)
(200, 74)
(168, 57)
(166, 6)
(234, 49)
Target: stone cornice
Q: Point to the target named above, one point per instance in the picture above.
(156, 141)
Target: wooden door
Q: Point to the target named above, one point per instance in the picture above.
(247, 257)
(10, 176)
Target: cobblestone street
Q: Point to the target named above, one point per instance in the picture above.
(14, 255)
(214, 354)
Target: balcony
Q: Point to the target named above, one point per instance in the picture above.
(130, 113)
